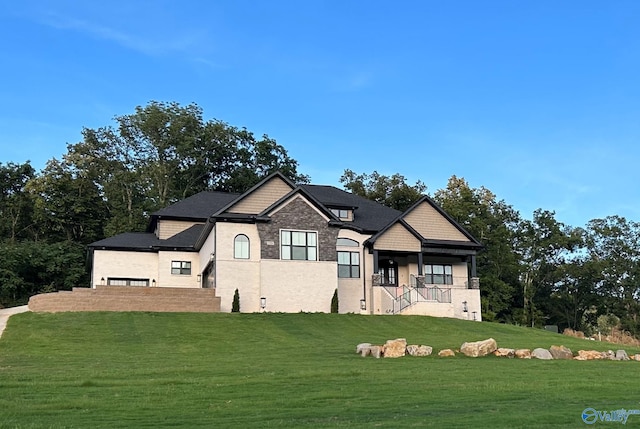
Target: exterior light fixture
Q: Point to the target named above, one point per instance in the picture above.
(464, 307)
(153, 282)
(474, 315)
(363, 304)
(263, 302)
(199, 278)
(102, 281)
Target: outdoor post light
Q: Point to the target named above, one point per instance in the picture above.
(363, 304)
(464, 306)
(263, 302)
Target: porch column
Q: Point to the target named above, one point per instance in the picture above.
(375, 262)
(473, 266)
(420, 263)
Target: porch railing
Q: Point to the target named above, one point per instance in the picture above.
(428, 292)
(405, 296)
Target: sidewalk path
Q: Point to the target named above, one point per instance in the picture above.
(5, 313)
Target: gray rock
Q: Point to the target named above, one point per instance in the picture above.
(376, 351)
(560, 352)
(541, 353)
(364, 349)
(621, 355)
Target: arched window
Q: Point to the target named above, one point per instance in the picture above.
(347, 242)
(241, 247)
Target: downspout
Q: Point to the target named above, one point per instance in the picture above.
(364, 280)
(215, 256)
(90, 262)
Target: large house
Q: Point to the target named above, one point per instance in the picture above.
(288, 248)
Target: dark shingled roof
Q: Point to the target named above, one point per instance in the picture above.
(148, 241)
(128, 240)
(198, 206)
(368, 215)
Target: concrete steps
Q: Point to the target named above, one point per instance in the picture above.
(128, 298)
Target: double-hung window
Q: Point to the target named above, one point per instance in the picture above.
(299, 245)
(181, 267)
(438, 274)
(348, 264)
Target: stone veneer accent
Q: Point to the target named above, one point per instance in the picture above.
(298, 215)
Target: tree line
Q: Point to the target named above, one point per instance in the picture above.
(533, 272)
(537, 271)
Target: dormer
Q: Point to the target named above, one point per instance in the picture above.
(344, 213)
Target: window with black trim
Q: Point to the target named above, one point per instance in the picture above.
(241, 247)
(342, 213)
(349, 264)
(438, 274)
(116, 281)
(181, 267)
(298, 245)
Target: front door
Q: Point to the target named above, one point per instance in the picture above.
(388, 272)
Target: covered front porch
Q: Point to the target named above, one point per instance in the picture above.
(434, 282)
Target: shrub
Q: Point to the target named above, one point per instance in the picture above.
(235, 306)
(334, 302)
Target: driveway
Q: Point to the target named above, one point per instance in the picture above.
(5, 313)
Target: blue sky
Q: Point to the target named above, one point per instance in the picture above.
(538, 101)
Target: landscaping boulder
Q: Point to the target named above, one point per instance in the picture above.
(503, 352)
(523, 354)
(591, 354)
(415, 350)
(375, 351)
(479, 348)
(635, 357)
(446, 353)
(395, 348)
(363, 349)
(560, 352)
(541, 353)
(621, 355)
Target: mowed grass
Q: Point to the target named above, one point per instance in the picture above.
(88, 370)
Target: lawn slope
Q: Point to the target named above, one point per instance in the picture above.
(290, 370)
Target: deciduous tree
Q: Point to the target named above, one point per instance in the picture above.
(392, 191)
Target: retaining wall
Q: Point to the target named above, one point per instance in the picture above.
(127, 298)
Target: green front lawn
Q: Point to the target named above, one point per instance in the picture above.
(290, 370)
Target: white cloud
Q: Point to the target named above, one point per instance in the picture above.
(147, 41)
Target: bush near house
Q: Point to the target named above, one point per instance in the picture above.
(235, 305)
(334, 302)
